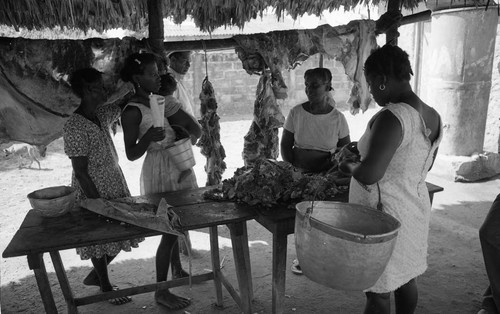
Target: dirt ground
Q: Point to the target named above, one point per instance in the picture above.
(453, 283)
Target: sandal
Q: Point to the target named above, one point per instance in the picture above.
(296, 267)
(119, 300)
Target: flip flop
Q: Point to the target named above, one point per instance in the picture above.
(120, 300)
(296, 267)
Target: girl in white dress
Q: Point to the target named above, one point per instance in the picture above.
(159, 173)
(397, 150)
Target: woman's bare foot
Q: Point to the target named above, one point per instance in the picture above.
(170, 300)
(92, 279)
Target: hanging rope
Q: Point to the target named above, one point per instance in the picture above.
(206, 59)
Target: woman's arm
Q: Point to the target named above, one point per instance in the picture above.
(134, 148)
(286, 145)
(386, 136)
(343, 141)
(80, 167)
(181, 118)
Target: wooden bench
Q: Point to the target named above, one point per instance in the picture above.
(38, 235)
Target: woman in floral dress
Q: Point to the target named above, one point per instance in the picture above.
(96, 173)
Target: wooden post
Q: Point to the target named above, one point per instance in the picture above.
(156, 35)
(391, 36)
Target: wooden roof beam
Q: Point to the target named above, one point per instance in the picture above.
(230, 43)
(392, 34)
(155, 27)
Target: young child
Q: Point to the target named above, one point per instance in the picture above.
(167, 89)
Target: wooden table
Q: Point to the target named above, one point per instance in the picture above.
(194, 212)
(281, 222)
(38, 235)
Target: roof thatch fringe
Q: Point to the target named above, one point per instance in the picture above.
(81, 14)
(132, 14)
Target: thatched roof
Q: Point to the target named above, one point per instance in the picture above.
(132, 14)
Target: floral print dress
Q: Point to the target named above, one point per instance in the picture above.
(83, 138)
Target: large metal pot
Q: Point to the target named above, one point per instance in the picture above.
(343, 246)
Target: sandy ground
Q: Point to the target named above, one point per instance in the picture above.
(453, 283)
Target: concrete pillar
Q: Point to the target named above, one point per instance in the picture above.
(462, 46)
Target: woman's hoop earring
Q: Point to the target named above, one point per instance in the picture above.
(381, 87)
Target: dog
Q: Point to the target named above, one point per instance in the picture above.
(27, 151)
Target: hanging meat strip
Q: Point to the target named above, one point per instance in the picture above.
(351, 44)
(261, 141)
(210, 144)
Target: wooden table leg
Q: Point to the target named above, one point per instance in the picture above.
(279, 269)
(214, 251)
(239, 240)
(63, 282)
(35, 262)
(246, 253)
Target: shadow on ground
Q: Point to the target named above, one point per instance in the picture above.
(453, 282)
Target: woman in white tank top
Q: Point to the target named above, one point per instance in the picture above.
(397, 150)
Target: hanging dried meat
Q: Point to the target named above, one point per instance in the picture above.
(351, 44)
(261, 141)
(210, 144)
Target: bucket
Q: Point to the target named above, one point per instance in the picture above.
(343, 246)
(181, 154)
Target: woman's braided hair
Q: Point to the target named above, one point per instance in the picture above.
(135, 64)
(390, 61)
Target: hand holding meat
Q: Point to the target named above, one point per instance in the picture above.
(348, 152)
(347, 158)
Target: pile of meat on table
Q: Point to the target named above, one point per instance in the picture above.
(269, 182)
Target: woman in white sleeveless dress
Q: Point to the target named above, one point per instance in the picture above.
(159, 173)
(397, 150)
